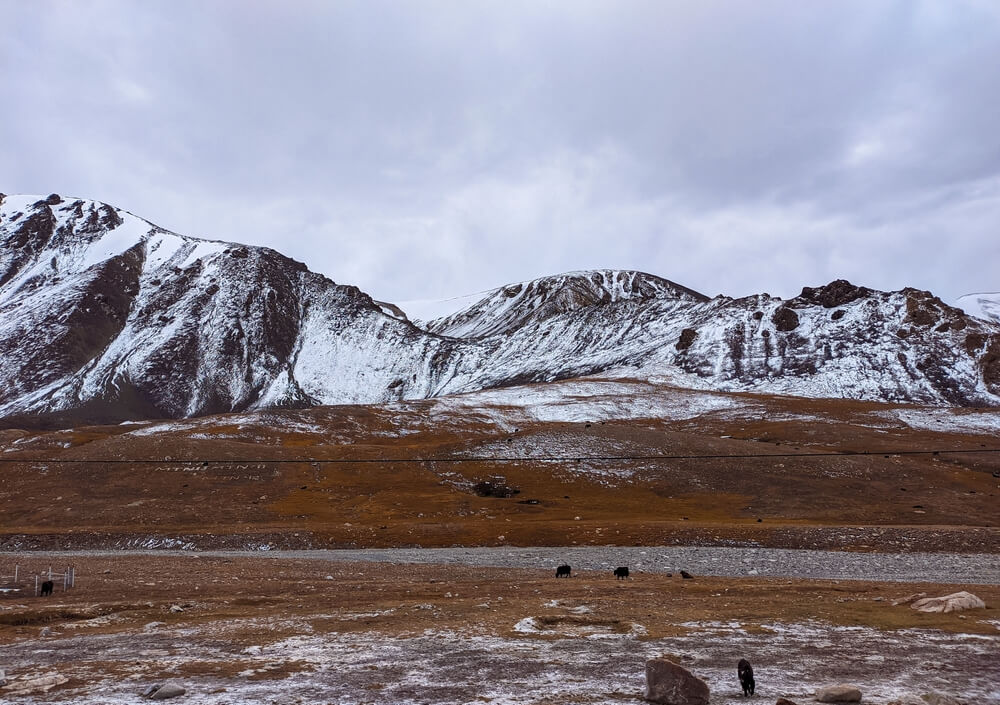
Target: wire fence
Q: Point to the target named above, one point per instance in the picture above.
(38, 582)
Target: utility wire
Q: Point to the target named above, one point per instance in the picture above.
(500, 459)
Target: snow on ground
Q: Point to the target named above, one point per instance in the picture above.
(593, 400)
(538, 661)
(946, 420)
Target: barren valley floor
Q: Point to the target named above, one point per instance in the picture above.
(264, 629)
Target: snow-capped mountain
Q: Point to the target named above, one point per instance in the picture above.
(514, 306)
(105, 316)
(104, 312)
(985, 305)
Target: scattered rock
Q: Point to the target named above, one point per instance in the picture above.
(686, 575)
(164, 691)
(955, 602)
(908, 599)
(45, 631)
(842, 693)
(785, 701)
(3, 678)
(670, 684)
(927, 699)
(785, 319)
(176, 608)
(939, 699)
(687, 338)
(41, 684)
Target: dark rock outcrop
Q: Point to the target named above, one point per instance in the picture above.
(670, 684)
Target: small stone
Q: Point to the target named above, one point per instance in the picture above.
(3, 678)
(670, 684)
(168, 690)
(41, 684)
(908, 599)
(785, 701)
(329, 577)
(939, 699)
(46, 631)
(176, 608)
(842, 693)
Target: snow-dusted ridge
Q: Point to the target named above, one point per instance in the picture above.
(514, 306)
(105, 317)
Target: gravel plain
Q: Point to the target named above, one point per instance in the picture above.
(975, 569)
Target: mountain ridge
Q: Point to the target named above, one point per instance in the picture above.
(107, 317)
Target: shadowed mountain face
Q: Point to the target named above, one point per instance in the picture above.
(105, 317)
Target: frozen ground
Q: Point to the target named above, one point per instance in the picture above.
(548, 666)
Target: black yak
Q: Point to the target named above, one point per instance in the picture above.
(46, 588)
(562, 571)
(621, 573)
(745, 671)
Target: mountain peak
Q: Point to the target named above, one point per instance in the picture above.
(515, 305)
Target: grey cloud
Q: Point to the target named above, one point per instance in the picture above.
(436, 148)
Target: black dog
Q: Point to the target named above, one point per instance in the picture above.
(745, 671)
(46, 588)
(621, 573)
(562, 571)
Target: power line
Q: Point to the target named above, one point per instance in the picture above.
(501, 459)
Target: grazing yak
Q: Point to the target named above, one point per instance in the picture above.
(621, 573)
(46, 588)
(745, 671)
(562, 571)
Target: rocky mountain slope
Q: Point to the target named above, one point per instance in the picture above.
(105, 316)
(515, 306)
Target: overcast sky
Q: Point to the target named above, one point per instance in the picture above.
(424, 149)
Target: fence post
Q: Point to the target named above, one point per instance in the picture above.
(16, 566)
(36, 586)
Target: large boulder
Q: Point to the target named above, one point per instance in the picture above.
(164, 691)
(670, 684)
(841, 693)
(955, 602)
